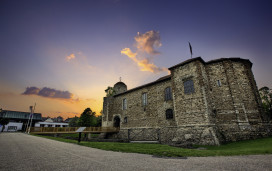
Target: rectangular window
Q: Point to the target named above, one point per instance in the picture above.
(125, 120)
(169, 114)
(144, 99)
(168, 94)
(189, 87)
(124, 104)
(219, 83)
(12, 128)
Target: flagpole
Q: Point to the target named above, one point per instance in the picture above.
(191, 50)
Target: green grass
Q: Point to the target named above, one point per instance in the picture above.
(250, 147)
(76, 135)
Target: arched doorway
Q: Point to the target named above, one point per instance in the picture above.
(116, 121)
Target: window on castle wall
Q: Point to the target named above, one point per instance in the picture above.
(144, 99)
(125, 119)
(169, 114)
(168, 94)
(219, 83)
(124, 104)
(189, 87)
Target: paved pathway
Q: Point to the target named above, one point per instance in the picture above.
(19, 151)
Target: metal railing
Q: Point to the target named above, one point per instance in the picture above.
(55, 130)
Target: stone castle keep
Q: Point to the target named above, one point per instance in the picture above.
(199, 102)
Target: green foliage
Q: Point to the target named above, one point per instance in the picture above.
(99, 121)
(249, 147)
(73, 122)
(110, 91)
(87, 118)
(266, 95)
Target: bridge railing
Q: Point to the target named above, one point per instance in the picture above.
(72, 129)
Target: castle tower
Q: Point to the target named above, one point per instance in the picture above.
(119, 87)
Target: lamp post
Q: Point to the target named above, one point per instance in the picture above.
(31, 117)
(30, 108)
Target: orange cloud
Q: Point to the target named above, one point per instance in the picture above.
(71, 56)
(145, 44)
(145, 64)
(147, 41)
(129, 53)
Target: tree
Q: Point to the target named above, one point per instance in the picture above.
(87, 118)
(73, 122)
(266, 95)
(99, 121)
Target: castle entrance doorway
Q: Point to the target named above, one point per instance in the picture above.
(116, 121)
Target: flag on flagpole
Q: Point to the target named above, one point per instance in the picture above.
(191, 50)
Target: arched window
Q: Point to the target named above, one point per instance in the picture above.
(168, 94)
(189, 87)
(116, 121)
(169, 114)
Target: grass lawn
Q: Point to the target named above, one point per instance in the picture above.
(76, 135)
(258, 146)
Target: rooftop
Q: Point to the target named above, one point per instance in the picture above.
(209, 62)
(168, 77)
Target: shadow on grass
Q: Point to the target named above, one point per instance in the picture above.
(249, 147)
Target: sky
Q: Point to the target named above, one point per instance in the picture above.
(63, 54)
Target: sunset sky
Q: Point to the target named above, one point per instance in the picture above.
(62, 54)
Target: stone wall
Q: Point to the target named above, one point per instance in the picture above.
(190, 108)
(235, 102)
(224, 106)
(139, 116)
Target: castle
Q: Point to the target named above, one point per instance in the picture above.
(200, 102)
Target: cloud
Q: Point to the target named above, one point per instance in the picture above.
(129, 53)
(48, 92)
(31, 90)
(71, 56)
(145, 64)
(146, 42)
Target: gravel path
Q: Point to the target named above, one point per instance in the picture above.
(19, 151)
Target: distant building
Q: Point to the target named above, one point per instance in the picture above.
(18, 120)
(50, 123)
(12, 127)
(45, 118)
